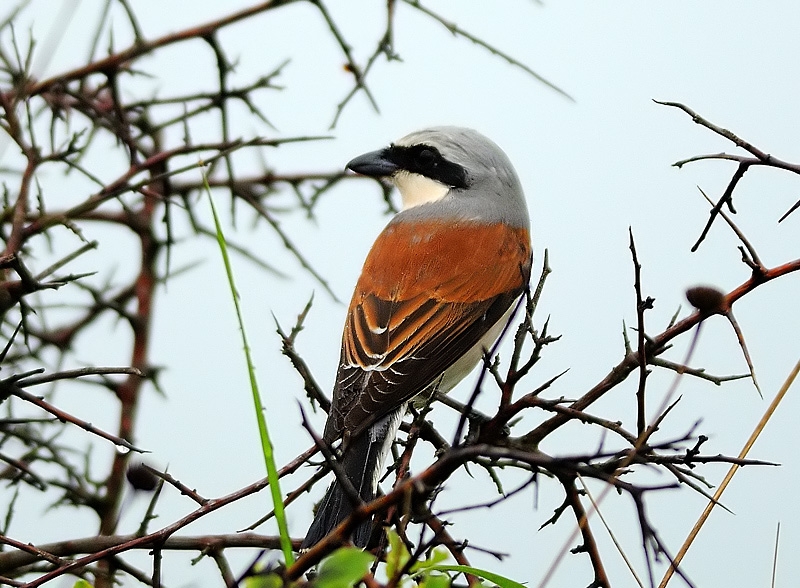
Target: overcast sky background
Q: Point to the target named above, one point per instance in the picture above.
(591, 168)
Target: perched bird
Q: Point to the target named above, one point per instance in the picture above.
(436, 290)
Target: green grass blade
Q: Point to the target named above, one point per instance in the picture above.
(266, 444)
(497, 579)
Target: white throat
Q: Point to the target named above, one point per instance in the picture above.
(416, 189)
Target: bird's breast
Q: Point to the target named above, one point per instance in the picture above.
(461, 262)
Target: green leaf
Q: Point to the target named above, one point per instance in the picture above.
(82, 584)
(263, 580)
(343, 568)
(438, 556)
(497, 579)
(435, 581)
(398, 554)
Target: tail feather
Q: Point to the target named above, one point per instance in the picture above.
(362, 463)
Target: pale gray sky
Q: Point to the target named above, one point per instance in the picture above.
(590, 169)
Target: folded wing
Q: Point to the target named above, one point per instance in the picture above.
(401, 335)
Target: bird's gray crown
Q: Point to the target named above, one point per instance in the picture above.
(484, 183)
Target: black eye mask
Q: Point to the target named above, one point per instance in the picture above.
(427, 161)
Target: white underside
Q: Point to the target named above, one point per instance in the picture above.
(467, 362)
(385, 432)
(416, 189)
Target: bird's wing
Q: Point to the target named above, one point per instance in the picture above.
(421, 303)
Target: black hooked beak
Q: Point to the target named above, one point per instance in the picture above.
(375, 164)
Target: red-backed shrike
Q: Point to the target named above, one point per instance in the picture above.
(436, 290)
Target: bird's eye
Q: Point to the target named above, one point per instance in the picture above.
(425, 158)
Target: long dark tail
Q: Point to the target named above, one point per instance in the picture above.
(362, 463)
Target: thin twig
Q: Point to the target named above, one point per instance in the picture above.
(66, 417)
(456, 30)
(641, 306)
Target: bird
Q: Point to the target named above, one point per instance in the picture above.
(437, 288)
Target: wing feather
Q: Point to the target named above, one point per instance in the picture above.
(420, 305)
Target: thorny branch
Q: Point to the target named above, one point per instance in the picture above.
(759, 158)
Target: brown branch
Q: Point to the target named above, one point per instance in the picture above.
(155, 161)
(68, 418)
(726, 198)
(696, 118)
(743, 345)
(141, 47)
(641, 306)
(759, 158)
(55, 552)
(162, 536)
(313, 390)
(128, 392)
(456, 548)
(77, 373)
(630, 362)
(589, 544)
(456, 30)
(424, 483)
(34, 553)
(177, 484)
(696, 372)
(756, 264)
